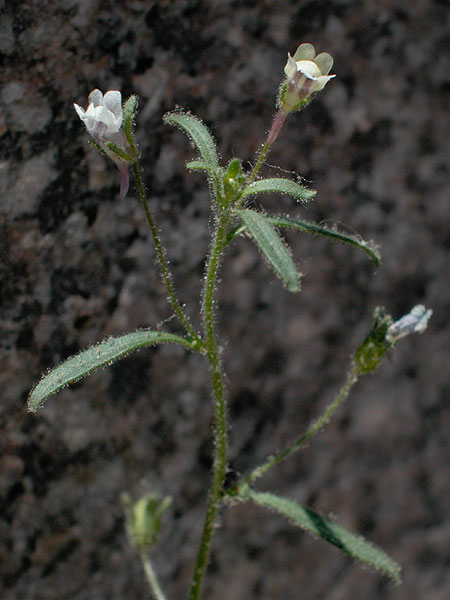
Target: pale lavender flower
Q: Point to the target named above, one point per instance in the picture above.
(306, 74)
(415, 321)
(103, 120)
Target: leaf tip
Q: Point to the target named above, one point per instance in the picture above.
(33, 402)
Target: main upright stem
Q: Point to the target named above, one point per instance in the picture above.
(220, 437)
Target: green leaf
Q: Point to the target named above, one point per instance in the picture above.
(354, 545)
(97, 147)
(128, 111)
(129, 108)
(279, 186)
(198, 134)
(333, 234)
(197, 165)
(120, 153)
(353, 240)
(234, 169)
(105, 353)
(272, 246)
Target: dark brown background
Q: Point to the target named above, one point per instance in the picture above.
(77, 265)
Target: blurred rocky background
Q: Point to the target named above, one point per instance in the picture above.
(77, 265)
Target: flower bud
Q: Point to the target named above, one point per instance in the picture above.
(233, 178)
(306, 74)
(143, 519)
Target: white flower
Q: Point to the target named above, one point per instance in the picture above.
(103, 117)
(103, 120)
(415, 321)
(306, 73)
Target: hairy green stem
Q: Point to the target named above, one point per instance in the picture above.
(152, 578)
(352, 378)
(220, 433)
(161, 259)
(259, 162)
(252, 176)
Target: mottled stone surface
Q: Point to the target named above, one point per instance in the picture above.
(77, 265)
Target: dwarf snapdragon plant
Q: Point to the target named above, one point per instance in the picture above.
(232, 187)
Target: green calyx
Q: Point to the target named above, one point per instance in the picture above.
(372, 351)
(290, 101)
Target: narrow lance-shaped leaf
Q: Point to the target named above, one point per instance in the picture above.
(354, 545)
(272, 247)
(114, 148)
(197, 165)
(129, 108)
(198, 134)
(333, 234)
(279, 185)
(97, 147)
(105, 353)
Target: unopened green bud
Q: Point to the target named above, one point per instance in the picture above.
(233, 178)
(234, 169)
(143, 518)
